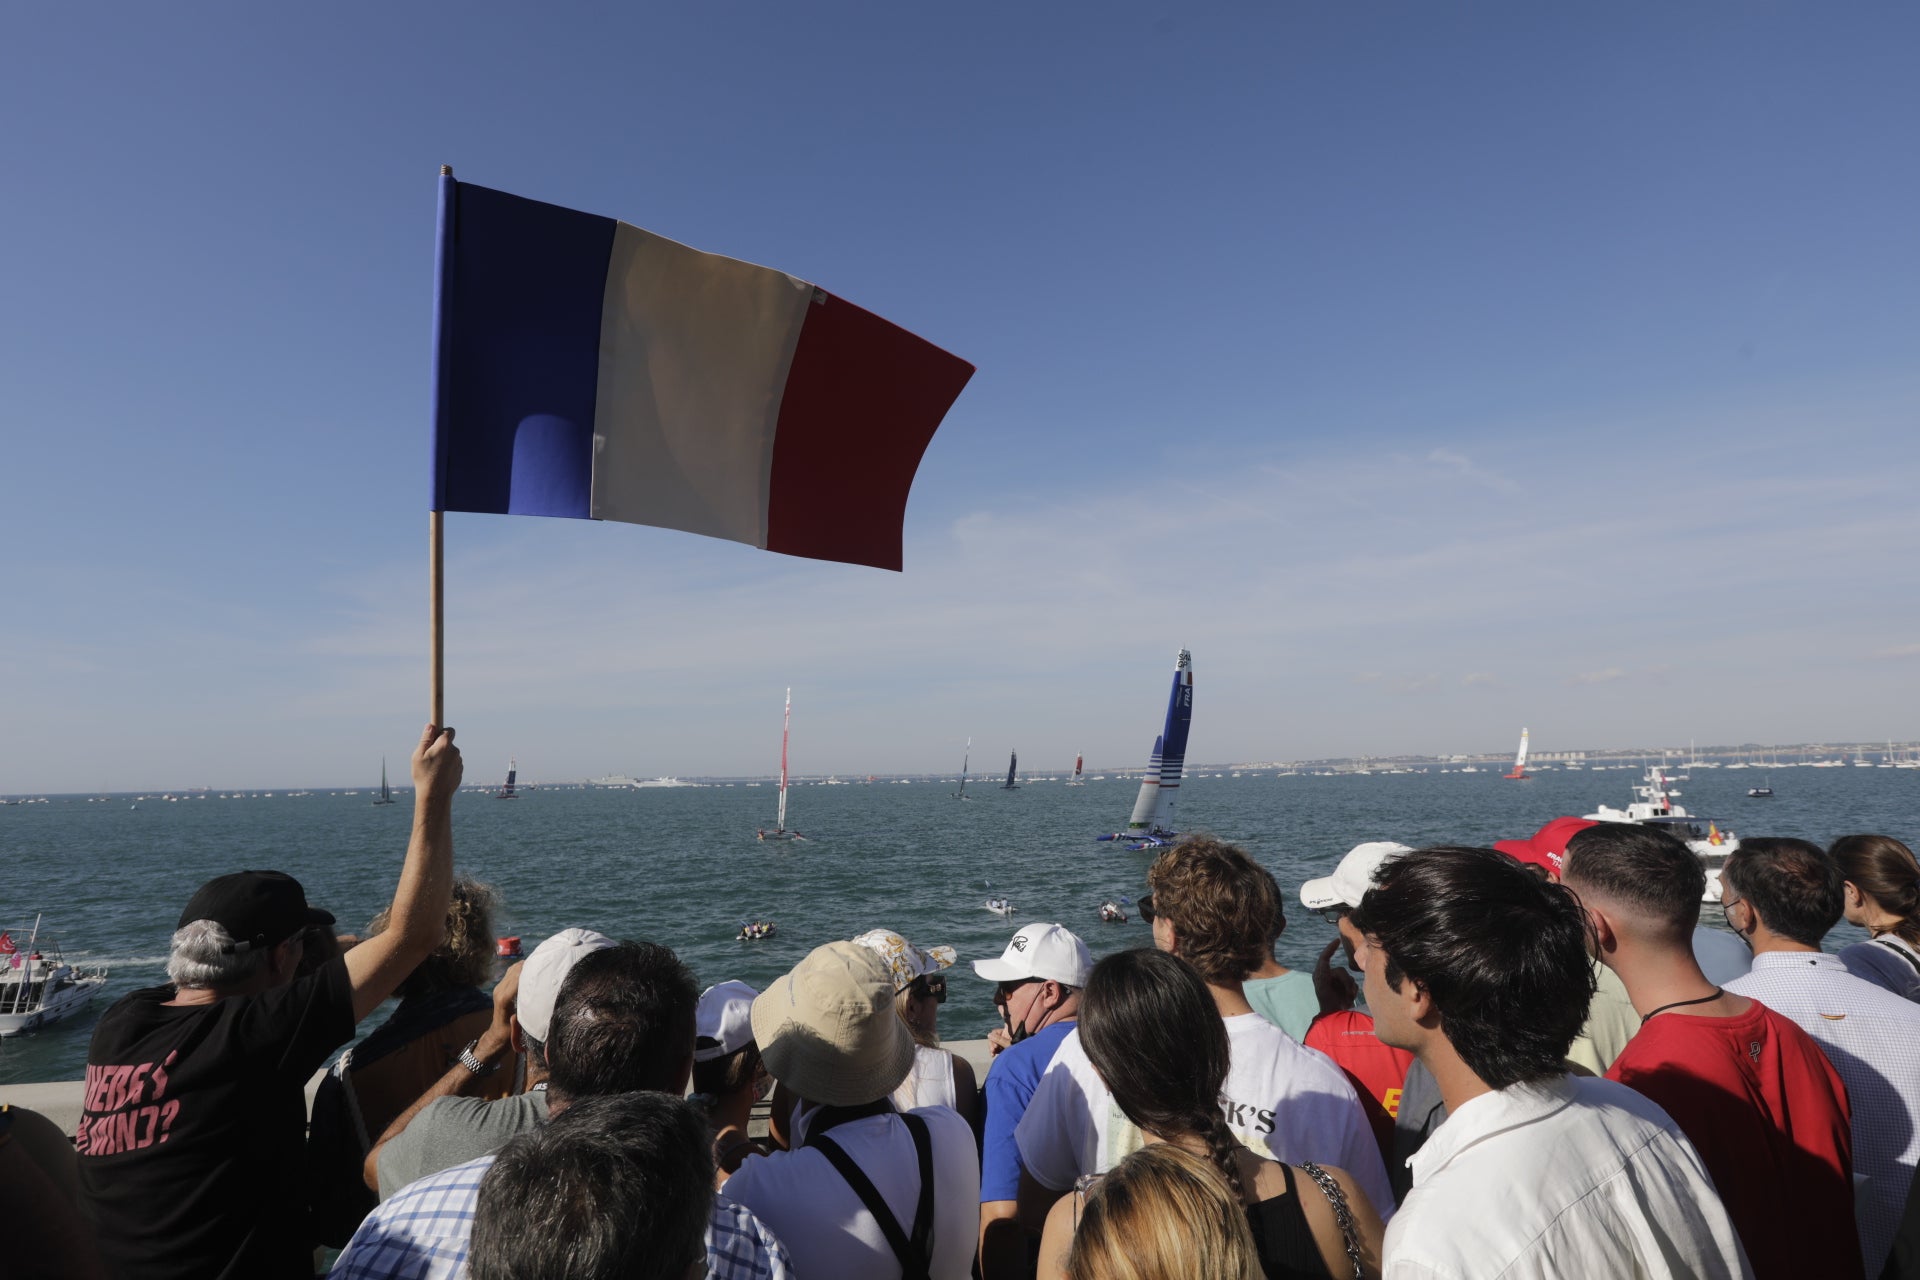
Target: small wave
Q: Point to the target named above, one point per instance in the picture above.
(118, 962)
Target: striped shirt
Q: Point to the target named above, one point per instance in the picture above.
(423, 1231)
(1872, 1037)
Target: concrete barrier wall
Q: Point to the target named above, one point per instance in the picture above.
(59, 1100)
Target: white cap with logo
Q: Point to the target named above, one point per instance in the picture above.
(1352, 878)
(1047, 951)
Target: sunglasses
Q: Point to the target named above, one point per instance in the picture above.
(935, 987)
(1003, 992)
(1334, 914)
(1146, 907)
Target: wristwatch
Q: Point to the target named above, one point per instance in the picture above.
(474, 1064)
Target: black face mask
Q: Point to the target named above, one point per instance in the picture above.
(1015, 1034)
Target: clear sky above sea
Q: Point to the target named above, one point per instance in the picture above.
(1428, 370)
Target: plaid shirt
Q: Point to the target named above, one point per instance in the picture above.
(422, 1233)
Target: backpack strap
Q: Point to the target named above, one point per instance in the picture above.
(1900, 951)
(915, 1254)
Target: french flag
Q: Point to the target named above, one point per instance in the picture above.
(588, 369)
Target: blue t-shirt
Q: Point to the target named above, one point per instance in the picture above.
(1011, 1080)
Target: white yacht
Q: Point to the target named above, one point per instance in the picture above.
(1655, 807)
(38, 986)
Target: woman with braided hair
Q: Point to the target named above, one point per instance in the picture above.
(1150, 1027)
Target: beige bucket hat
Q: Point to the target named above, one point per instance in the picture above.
(828, 1031)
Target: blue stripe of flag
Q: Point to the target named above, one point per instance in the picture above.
(521, 291)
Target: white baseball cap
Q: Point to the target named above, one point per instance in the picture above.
(545, 970)
(1352, 878)
(725, 1016)
(1050, 951)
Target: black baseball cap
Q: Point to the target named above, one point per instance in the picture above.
(259, 908)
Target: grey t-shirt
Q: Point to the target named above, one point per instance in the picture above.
(451, 1131)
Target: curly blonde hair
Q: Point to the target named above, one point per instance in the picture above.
(465, 955)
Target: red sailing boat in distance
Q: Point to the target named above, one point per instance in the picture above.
(1519, 773)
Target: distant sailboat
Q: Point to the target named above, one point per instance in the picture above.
(1520, 773)
(507, 790)
(780, 831)
(1152, 823)
(1076, 780)
(1013, 766)
(961, 794)
(386, 793)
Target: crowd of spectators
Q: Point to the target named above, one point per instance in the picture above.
(1523, 1061)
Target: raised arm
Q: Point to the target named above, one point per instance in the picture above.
(419, 916)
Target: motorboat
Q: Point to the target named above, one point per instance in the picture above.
(38, 986)
(1655, 806)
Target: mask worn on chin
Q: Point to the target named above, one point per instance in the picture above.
(1016, 1034)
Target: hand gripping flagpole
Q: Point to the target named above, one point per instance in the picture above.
(436, 544)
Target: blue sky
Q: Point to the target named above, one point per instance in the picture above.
(1427, 370)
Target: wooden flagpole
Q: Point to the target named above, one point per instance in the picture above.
(436, 587)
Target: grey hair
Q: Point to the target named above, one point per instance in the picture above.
(205, 956)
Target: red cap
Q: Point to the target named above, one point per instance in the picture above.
(1548, 847)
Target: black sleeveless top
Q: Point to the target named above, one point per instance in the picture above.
(1281, 1238)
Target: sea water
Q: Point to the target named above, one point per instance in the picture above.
(681, 866)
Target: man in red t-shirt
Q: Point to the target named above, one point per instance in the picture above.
(1750, 1089)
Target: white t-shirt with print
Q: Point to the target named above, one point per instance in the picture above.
(1281, 1099)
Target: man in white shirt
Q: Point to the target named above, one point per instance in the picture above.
(1783, 896)
(1211, 906)
(1479, 968)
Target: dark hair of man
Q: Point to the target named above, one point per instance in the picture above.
(614, 1187)
(1279, 923)
(1640, 867)
(719, 1077)
(1885, 871)
(1793, 885)
(1501, 953)
(623, 1021)
(1153, 1032)
(1220, 905)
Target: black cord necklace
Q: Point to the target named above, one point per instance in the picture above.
(1681, 1004)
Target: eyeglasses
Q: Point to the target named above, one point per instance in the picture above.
(929, 986)
(1334, 914)
(1146, 907)
(1726, 913)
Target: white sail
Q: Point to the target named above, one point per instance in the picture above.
(1520, 761)
(786, 727)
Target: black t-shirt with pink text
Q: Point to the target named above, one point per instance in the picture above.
(192, 1133)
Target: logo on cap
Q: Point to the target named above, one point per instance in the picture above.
(1019, 942)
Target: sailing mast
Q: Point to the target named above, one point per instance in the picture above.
(780, 831)
(1152, 822)
(786, 728)
(22, 989)
(1013, 766)
(386, 792)
(1520, 773)
(961, 794)
(507, 792)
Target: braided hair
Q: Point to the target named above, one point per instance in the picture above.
(1153, 1033)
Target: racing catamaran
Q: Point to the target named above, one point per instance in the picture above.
(1076, 780)
(1013, 766)
(1151, 825)
(780, 831)
(507, 790)
(386, 792)
(961, 794)
(1520, 773)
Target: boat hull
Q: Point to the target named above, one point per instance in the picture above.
(69, 999)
